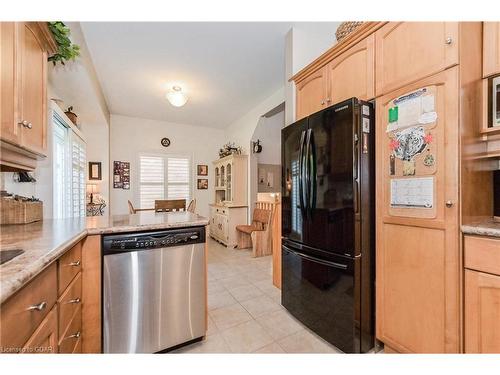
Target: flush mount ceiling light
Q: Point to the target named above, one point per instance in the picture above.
(176, 97)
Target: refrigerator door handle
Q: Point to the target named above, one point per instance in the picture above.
(301, 174)
(313, 259)
(307, 171)
(312, 172)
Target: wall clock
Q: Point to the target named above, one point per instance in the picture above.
(165, 142)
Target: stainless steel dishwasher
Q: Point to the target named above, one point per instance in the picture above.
(154, 290)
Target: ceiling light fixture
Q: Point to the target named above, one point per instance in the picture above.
(176, 97)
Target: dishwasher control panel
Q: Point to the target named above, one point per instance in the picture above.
(117, 243)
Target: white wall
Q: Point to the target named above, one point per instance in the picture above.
(97, 138)
(269, 133)
(241, 131)
(131, 136)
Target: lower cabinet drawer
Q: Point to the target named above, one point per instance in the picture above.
(44, 340)
(69, 303)
(24, 311)
(69, 265)
(482, 254)
(70, 338)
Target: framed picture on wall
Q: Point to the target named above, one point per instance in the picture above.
(121, 175)
(95, 170)
(202, 183)
(202, 170)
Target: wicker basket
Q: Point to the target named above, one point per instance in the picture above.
(345, 28)
(20, 212)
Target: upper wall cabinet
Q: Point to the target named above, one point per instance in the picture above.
(312, 93)
(24, 51)
(409, 51)
(491, 48)
(8, 94)
(352, 74)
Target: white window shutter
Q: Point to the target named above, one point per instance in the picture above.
(152, 180)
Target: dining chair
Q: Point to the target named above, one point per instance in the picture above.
(133, 210)
(168, 205)
(192, 206)
(258, 234)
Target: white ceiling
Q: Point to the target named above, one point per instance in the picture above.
(225, 68)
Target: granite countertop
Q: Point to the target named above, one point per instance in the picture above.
(481, 226)
(45, 241)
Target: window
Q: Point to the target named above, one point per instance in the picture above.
(78, 161)
(69, 170)
(164, 177)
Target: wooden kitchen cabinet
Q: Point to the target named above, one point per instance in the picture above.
(312, 93)
(409, 51)
(33, 90)
(22, 313)
(491, 48)
(44, 340)
(417, 252)
(482, 294)
(38, 316)
(352, 74)
(24, 51)
(8, 79)
(482, 312)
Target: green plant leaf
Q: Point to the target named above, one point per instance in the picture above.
(66, 50)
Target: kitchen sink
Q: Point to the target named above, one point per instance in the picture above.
(6, 255)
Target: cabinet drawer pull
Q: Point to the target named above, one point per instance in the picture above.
(74, 336)
(75, 264)
(26, 124)
(448, 40)
(38, 307)
(74, 300)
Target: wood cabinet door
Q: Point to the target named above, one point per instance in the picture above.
(409, 51)
(44, 339)
(33, 101)
(482, 312)
(352, 74)
(417, 251)
(311, 93)
(9, 82)
(491, 48)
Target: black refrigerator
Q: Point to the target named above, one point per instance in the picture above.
(328, 223)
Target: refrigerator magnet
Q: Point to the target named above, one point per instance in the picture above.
(366, 125)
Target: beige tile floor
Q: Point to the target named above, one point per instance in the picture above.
(244, 310)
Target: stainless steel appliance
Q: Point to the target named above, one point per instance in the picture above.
(328, 223)
(154, 290)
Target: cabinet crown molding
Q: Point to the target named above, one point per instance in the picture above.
(361, 32)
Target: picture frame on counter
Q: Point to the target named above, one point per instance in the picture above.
(95, 170)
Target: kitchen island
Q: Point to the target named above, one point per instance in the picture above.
(63, 257)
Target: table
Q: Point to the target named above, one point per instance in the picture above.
(95, 209)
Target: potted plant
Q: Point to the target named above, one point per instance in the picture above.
(66, 50)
